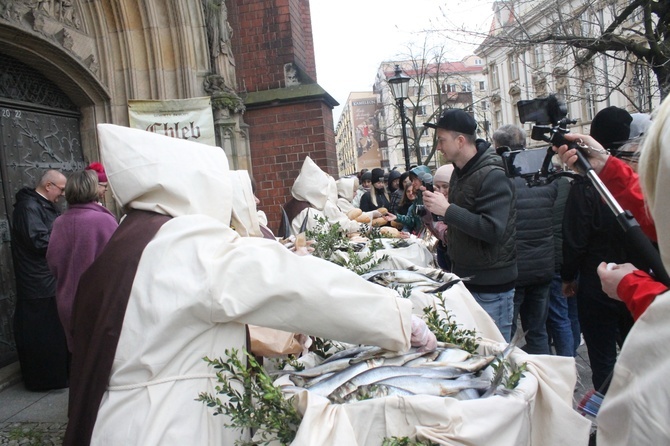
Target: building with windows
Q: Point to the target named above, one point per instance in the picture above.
(434, 86)
(520, 64)
(67, 65)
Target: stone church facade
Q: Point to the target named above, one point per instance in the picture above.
(67, 65)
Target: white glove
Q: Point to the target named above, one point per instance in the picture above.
(422, 337)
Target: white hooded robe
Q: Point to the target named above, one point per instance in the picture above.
(198, 283)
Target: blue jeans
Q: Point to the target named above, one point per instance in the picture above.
(531, 302)
(559, 323)
(500, 306)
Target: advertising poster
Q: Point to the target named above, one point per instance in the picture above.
(366, 133)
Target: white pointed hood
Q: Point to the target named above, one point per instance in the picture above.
(345, 188)
(245, 216)
(312, 185)
(170, 176)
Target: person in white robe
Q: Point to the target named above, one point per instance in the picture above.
(636, 409)
(198, 283)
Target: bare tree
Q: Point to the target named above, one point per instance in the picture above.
(593, 34)
(436, 84)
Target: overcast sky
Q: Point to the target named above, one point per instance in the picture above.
(353, 37)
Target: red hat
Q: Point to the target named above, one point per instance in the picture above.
(97, 167)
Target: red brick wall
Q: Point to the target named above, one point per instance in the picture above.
(267, 34)
(281, 137)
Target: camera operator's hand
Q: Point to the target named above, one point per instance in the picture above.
(435, 202)
(610, 276)
(595, 154)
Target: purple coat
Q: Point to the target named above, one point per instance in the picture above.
(77, 238)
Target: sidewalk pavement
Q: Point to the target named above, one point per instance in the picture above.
(30, 418)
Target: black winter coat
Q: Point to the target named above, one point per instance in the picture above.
(535, 232)
(31, 229)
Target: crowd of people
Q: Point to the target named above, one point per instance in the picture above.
(549, 255)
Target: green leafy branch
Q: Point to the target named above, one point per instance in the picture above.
(329, 238)
(259, 406)
(445, 328)
(513, 373)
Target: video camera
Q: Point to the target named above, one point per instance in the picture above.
(550, 118)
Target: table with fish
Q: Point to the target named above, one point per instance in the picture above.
(363, 394)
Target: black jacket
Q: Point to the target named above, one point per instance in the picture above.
(31, 228)
(591, 233)
(482, 221)
(535, 232)
(367, 203)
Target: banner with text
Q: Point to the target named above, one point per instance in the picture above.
(190, 119)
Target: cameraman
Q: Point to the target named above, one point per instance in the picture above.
(480, 214)
(534, 247)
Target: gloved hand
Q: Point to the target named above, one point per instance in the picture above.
(422, 337)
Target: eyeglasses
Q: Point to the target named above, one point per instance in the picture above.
(61, 189)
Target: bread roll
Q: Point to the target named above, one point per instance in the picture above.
(397, 225)
(354, 213)
(383, 211)
(388, 231)
(364, 218)
(381, 221)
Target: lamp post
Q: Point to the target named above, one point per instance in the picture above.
(400, 86)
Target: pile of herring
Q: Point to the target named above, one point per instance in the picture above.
(366, 372)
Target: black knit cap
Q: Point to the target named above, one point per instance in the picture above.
(611, 126)
(456, 120)
(377, 174)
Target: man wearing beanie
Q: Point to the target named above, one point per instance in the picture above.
(592, 235)
(102, 179)
(377, 197)
(481, 216)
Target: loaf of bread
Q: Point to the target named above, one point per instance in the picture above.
(381, 221)
(354, 213)
(388, 231)
(364, 218)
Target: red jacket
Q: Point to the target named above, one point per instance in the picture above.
(624, 185)
(638, 290)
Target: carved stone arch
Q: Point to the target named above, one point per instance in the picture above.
(69, 74)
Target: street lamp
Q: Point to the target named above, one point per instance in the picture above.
(400, 86)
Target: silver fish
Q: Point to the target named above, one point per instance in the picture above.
(325, 387)
(398, 276)
(453, 355)
(304, 381)
(348, 353)
(473, 364)
(377, 374)
(409, 357)
(375, 391)
(437, 387)
(320, 369)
